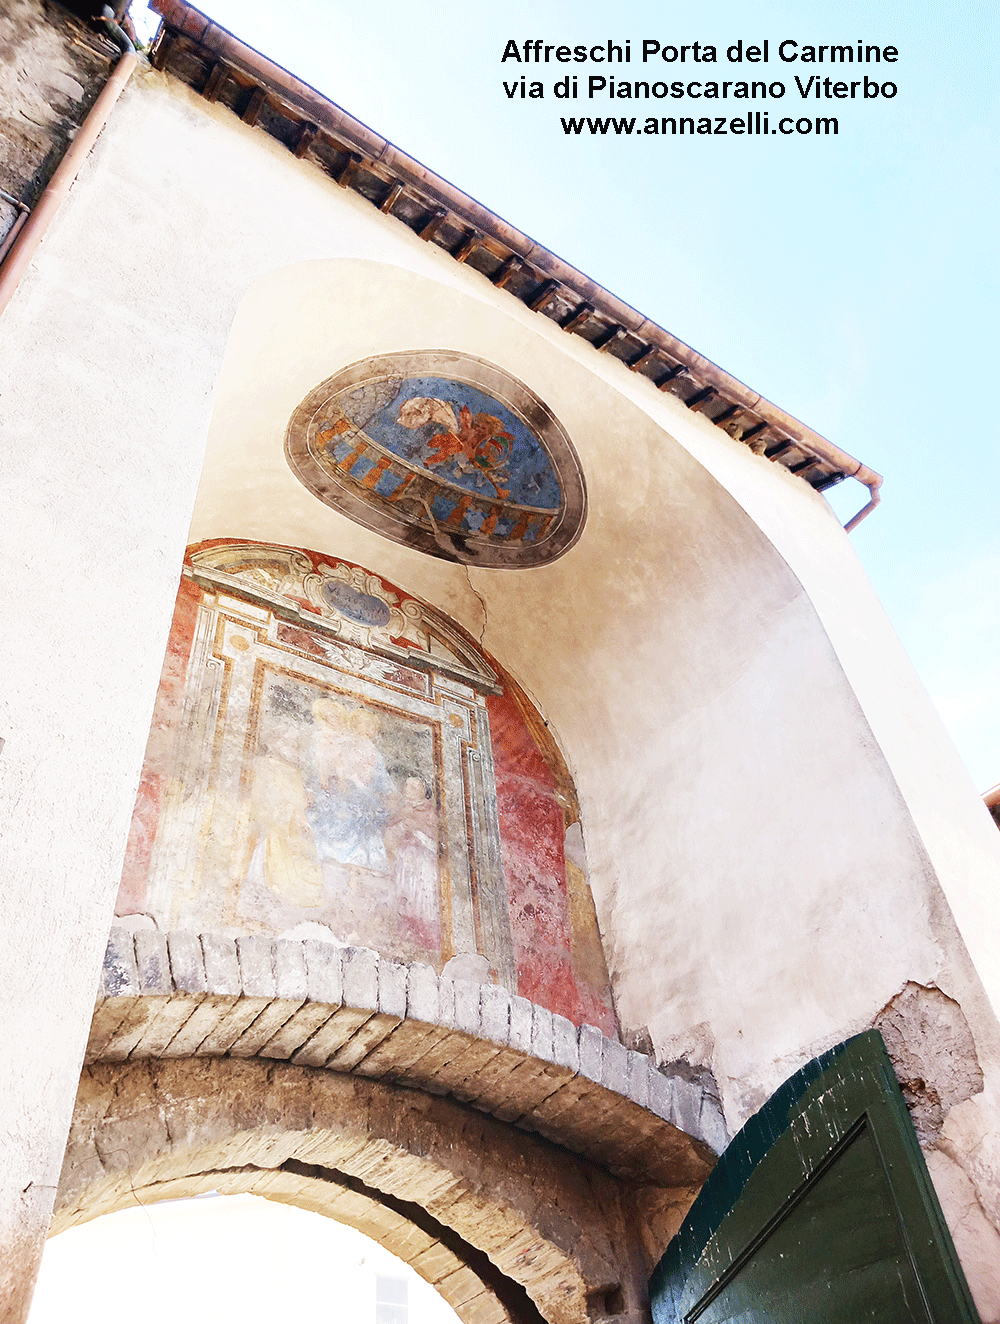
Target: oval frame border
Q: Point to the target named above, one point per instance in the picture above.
(456, 366)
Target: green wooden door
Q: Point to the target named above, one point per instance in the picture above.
(821, 1211)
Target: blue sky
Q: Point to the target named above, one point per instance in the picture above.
(851, 279)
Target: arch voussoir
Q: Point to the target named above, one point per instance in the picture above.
(425, 1175)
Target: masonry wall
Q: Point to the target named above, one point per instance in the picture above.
(782, 844)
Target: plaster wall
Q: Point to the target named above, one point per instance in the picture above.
(773, 857)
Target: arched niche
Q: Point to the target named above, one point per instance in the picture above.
(737, 720)
(332, 758)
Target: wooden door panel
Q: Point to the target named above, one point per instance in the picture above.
(821, 1209)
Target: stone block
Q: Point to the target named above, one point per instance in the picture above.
(365, 1038)
(326, 1036)
(435, 1263)
(638, 1070)
(275, 1014)
(119, 975)
(591, 1045)
(565, 1043)
(391, 1059)
(712, 1124)
(187, 963)
(131, 1030)
(528, 1084)
(407, 1241)
(466, 1067)
(614, 1071)
(573, 1112)
(392, 989)
(446, 1002)
(232, 1026)
(491, 1079)
(688, 1106)
(494, 1013)
(432, 1070)
(205, 1019)
(256, 958)
(460, 1286)
(297, 1030)
(422, 994)
(171, 1015)
(521, 1017)
(541, 1034)
(222, 967)
(466, 1006)
(661, 1096)
(485, 1309)
(108, 1016)
(153, 962)
(361, 978)
(290, 978)
(325, 971)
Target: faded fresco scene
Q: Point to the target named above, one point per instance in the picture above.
(343, 822)
(330, 759)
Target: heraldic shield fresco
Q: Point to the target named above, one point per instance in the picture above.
(332, 759)
(443, 452)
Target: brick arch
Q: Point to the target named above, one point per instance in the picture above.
(507, 1226)
(529, 1168)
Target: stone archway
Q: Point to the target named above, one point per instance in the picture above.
(542, 1188)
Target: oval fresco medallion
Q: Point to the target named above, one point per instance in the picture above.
(443, 452)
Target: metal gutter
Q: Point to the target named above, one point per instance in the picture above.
(16, 256)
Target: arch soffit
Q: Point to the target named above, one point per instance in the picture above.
(308, 304)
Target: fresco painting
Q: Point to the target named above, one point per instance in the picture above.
(343, 826)
(445, 446)
(331, 759)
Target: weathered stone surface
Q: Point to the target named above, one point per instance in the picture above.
(422, 998)
(153, 962)
(367, 1036)
(521, 1020)
(256, 960)
(933, 1054)
(494, 1013)
(537, 1211)
(498, 1052)
(222, 967)
(466, 1006)
(265, 1026)
(329, 1032)
(392, 989)
(291, 979)
(120, 975)
(187, 962)
(298, 1030)
(614, 1071)
(391, 1059)
(565, 1043)
(638, 1078)
(591, 1047)
(361, 966)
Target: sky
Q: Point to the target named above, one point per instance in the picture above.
(851, 279)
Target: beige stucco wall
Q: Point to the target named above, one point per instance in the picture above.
(780, 835)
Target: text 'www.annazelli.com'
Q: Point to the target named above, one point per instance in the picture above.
(757, 122)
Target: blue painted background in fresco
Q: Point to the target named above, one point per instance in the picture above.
(514, 468)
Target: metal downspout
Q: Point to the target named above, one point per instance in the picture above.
(32, 231)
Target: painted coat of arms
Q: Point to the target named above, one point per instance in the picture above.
(445, 453)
